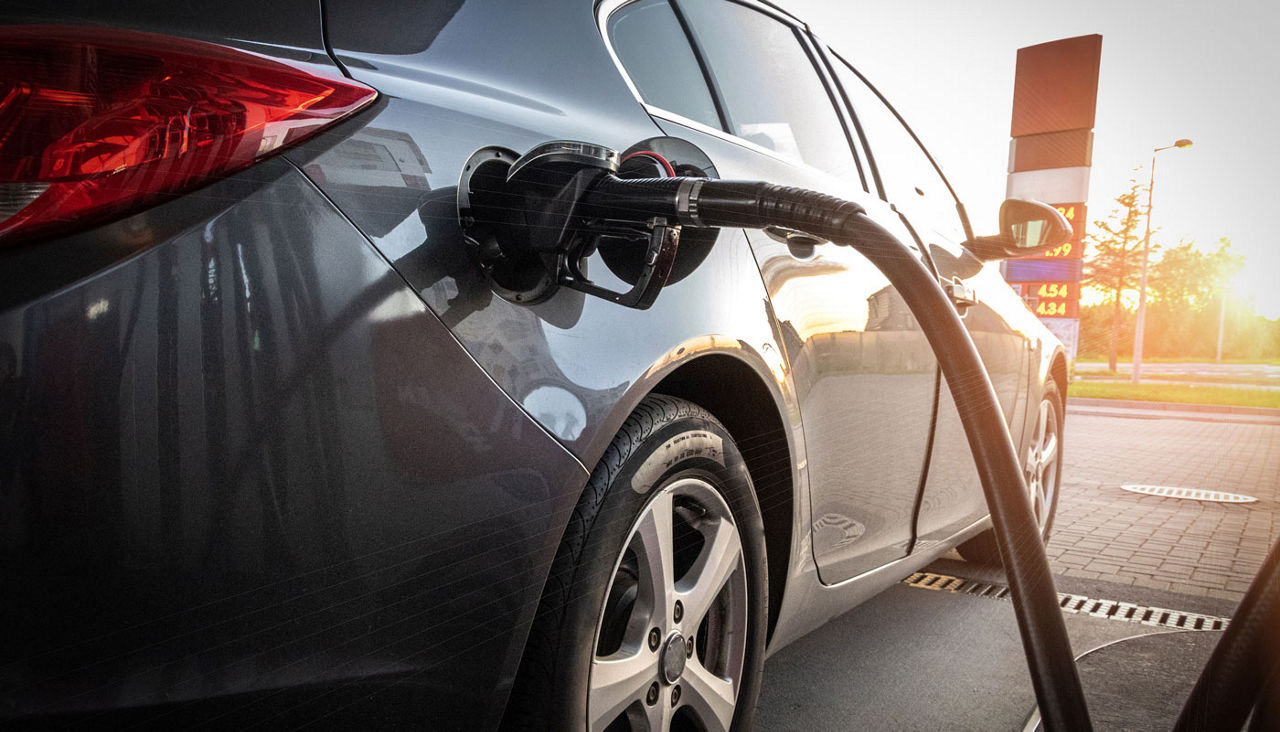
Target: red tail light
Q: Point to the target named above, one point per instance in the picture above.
(96, 123)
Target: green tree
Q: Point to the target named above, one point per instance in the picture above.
(1115, 263)
(1096, 323)
(1192, 279)
(1181, 278)
(1189, 306)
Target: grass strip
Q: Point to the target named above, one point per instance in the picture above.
(1186, 393)
(1094, 358)
(1109, 375)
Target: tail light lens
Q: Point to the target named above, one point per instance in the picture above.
(96, 124)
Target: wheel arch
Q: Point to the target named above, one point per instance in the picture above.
(736, 395)
(1058, 372)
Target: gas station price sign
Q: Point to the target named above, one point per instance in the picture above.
(1069, 250)
(1070, 211)
(1076, 213)
(1055, 97)
(1052, 299)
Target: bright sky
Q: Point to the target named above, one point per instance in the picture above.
(1205, 71)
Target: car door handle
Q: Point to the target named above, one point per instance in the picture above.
(960, 293)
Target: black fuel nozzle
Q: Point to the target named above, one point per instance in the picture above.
(531, 221)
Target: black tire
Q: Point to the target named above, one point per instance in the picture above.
(665, 446)
(982, 548)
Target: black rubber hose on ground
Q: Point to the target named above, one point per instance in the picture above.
(1246, 655)
(741, 204)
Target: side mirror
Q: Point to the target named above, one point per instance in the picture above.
(1026, 228)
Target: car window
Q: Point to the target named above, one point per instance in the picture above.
(655, 51)
(910, 181)
(769, 88)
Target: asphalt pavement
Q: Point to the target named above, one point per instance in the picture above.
(925, 659)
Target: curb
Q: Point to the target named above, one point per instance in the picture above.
(1172, 406)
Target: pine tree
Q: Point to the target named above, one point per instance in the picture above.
(1116, 262)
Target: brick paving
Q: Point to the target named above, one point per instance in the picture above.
(1191, 547)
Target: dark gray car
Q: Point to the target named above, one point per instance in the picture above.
(276, 449)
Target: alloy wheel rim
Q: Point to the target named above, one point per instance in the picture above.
(679, 587)
(1042, 463)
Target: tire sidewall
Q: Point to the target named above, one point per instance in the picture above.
(1059, 412)
(688, 446)
(982, 548)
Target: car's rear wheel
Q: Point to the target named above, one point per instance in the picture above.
(1042, 470)
(655, 612)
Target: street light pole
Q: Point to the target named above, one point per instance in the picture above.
(1141, 326)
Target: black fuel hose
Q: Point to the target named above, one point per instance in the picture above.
(742, 204)
(727, 203)
(1232, 682)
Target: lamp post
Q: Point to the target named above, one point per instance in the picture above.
(1141, 326)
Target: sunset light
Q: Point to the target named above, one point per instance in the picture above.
(1162, 79)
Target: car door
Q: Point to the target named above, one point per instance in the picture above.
(862, 370)
(910, 182)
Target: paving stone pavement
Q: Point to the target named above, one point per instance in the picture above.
(1191, 547)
